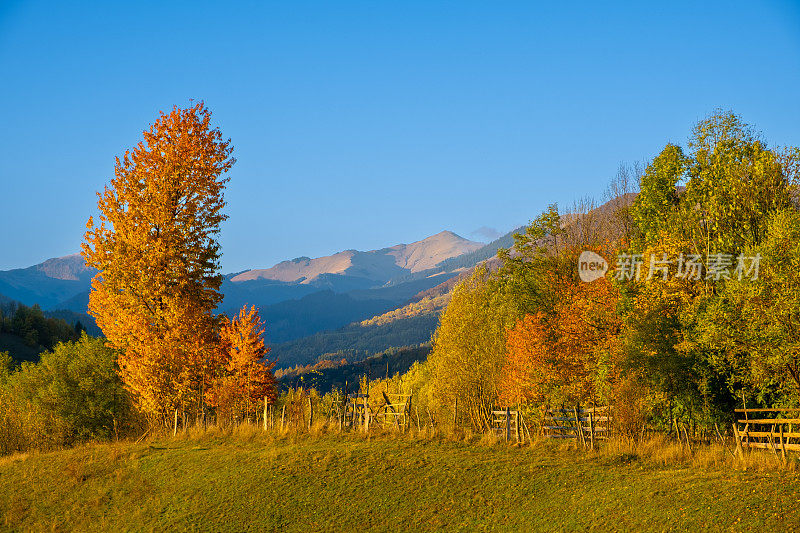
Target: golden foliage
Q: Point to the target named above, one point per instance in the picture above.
(424, 306)
(157, 255)
(244, 377)
(566, 356)
(469, 348)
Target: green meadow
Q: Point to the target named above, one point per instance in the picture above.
(249, 481)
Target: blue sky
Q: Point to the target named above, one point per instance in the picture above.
(362, 125)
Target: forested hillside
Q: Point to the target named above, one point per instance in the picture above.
(471, 259)
(355, 342)
(27, 331)
(329, 375)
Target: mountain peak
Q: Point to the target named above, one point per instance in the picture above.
(69, 267)
(446, 235)
(379, 266)
(429, 252)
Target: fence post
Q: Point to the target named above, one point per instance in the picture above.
(578, 428)
(283, 416)
(591, 428)
(310, 413)
(738, 438)
(783, 445)
(686, 435)
(265, 413)
(175, 423)
(516, 422)
(408, 418)
(772, 440)
(508, 424)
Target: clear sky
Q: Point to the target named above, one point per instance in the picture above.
(362, 125)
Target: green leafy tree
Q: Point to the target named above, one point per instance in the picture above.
(755, 324)
(72, 394)
(735, 183)
(655, 208)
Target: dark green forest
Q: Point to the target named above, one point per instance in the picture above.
(27, 331)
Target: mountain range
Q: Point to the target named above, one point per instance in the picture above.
(351, 305)
(50, 284)
(61, 282)
(299, 298)
(376, 267)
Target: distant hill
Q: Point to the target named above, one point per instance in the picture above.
(48, 283)
(353, 302)
(470, 259)
(354, 342)
(27, 331)
(73, 319)
(318, 311)
(411, 323)
(329, 375)
(64, 282)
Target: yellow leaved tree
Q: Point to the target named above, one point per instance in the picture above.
(157, 256)
(244, 377)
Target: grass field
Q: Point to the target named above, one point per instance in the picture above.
(251, 482)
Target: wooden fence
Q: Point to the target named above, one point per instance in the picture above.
(392, 411)
(771, 429)
(586, 425)
(395, 411)
(509, 425)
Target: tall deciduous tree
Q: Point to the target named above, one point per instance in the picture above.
(736, 182)
(755, 324)
(469, 347)
(655, 208)
(157, 254)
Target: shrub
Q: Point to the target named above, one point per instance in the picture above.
(73, 394)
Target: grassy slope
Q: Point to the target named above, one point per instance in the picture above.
(335, 483)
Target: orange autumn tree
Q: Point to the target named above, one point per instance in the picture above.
(157, 256)
(566, 356)
(244, 377)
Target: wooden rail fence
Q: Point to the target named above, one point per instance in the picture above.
(586, 425)
(509, 425)
(392, 411)
(775, 429)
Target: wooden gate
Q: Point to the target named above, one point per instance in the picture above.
(509, 425)
(773, 429)
(586, 425)
(395, 411)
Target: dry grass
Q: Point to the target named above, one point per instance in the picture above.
(661, 451)
(241, 477)
(658, 450)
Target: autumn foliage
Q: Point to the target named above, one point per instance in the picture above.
(157, 258)
(567, 355)
(244, 377)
